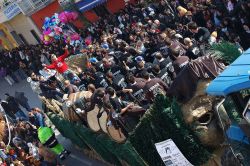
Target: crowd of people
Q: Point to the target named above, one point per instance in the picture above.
(25, 138)
(133, 56)
(137, 53)
(18, 63)
(20, 145)
(145, 30)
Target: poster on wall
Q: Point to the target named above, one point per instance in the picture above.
(170, 154)
(11, 11)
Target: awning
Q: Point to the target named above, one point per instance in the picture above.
(233, 79)
(85, 5)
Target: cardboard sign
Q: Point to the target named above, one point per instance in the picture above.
(170, 154)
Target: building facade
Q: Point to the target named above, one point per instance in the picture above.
(21, 21)
(18, 26)
(6, 39)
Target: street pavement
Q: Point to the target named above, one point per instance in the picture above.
(77, 158)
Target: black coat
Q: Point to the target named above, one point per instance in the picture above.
(13, 104)
(7, 109)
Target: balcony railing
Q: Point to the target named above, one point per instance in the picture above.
(28, 7)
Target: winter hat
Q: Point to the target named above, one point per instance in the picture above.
(87, 42)
(182, 11)
(105, 46)
(178, 36)
(138, 59)
(93, 60)
(214, 34)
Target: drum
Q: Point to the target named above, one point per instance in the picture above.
(77, 100)
(119, 129)
(102, 121)
(92, 119)
(115, 133)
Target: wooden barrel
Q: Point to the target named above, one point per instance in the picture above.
(92, 119)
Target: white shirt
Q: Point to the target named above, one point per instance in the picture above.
(22, 56)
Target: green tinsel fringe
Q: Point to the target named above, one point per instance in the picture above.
(164, 121)
(65, 128)
(226, 51)
(106, 148)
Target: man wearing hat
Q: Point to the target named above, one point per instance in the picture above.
(98, 65)
(141, 66)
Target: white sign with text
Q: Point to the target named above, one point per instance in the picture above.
(170, 154)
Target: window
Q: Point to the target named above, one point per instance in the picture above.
(16, 37)
(24, 41)
(35, 36)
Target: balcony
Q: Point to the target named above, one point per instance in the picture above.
(28, 7)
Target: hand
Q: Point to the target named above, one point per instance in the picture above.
(79, 70)
(131, 105)
(127, 90)
(46, 69)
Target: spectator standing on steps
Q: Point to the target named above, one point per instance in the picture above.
(4, 104)
(22, 100)
(14, 107)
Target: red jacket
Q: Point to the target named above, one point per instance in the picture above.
(60, 65)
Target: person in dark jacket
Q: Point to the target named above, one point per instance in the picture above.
(4, 104)
(200, 34)
(22, 100)
(70, 88)
(153, 87)
(48, 91)
(14, 107)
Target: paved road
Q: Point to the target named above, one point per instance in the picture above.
(76, 158)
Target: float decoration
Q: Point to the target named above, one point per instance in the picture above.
(58, 28)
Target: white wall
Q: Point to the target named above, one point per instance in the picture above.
(23, 25)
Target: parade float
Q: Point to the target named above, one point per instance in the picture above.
(187, 117)
(196, 123)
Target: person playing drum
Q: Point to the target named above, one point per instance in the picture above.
(122, 112)
(98, 98)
